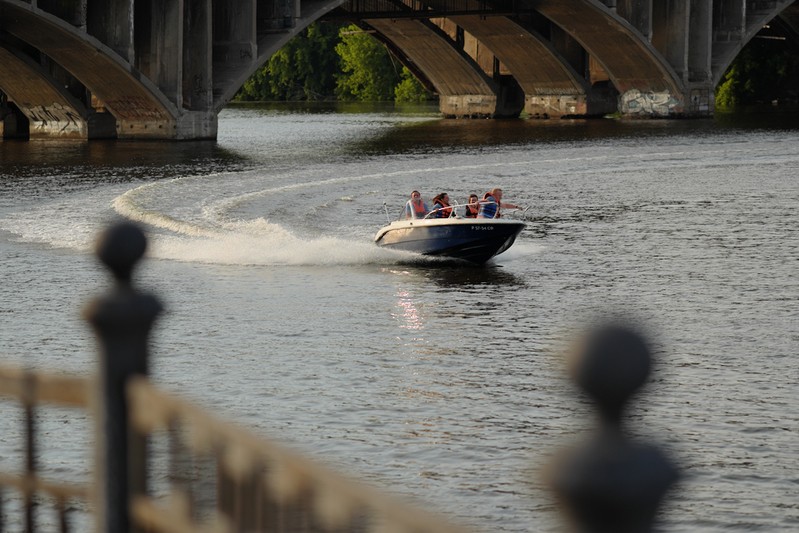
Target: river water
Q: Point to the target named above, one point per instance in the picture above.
(439, 382)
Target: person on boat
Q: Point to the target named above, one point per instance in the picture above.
(492, 203)
(441, 208)
(416, 208)
(472, 206)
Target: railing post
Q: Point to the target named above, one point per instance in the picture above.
(122, 320)
(611, 484)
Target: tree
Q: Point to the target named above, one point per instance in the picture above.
(368, 72)
(409, 90)
(303, 69)
(765, 70)
(726, 94)
(327, 61)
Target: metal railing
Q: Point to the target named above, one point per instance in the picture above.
(365, 9)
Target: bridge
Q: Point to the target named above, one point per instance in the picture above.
(154, 69)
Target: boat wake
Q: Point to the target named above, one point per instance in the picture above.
(263, 243)
(216, 238)
(241, 218)
(73, 222)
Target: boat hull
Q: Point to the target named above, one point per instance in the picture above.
(473, 240)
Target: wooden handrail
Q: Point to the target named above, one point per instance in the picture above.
(38, 387)
(172, 517)
(288, 476)
(36, 484)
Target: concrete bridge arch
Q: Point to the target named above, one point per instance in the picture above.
(144, 69)
(164, 69)
(659, 59)
(43, 98)
(735, 32)
(646, 82)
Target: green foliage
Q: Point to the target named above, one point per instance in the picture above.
(368, 72)
(409, 90)
(765, 70)
(304, 69)
(727, 90)
(327, 61)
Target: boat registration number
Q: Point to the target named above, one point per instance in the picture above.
(482, 228)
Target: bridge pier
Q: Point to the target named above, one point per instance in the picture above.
(599, 101)
(635, 103)
(555, 106)
(467, 105)
(13, 124)
(189, 125)
(697, 101)
(701, 100)
(53, 121)
(196, 125)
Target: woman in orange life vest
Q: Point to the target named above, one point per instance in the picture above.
(472, 206)
(441, 208)
(416, 208)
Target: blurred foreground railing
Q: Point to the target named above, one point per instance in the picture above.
(34, 391)
(251, 484)
(167, 466)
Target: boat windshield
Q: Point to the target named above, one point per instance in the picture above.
(457, 211)
(450, 211)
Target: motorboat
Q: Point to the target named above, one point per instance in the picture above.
(471, 239)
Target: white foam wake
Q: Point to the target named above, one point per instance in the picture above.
(260, 242)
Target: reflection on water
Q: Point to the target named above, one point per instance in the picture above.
(59, 165)
(42, 155)
(340, 108)
(760, 118)
(436, 134)
(460, 276)
(456, 274)
(409, 316)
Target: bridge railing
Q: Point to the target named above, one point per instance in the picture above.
(410, 8)
(221, 478)
(210, 476)
(33, 392)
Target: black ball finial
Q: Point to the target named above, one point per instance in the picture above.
(611, 364)
(120, 247)
(611, 483)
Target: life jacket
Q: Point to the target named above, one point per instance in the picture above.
(489, 208)
(417, 209)
(472, 210)
(442, 210)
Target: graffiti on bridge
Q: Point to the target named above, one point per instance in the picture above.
(650, 103)
(55, 118)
